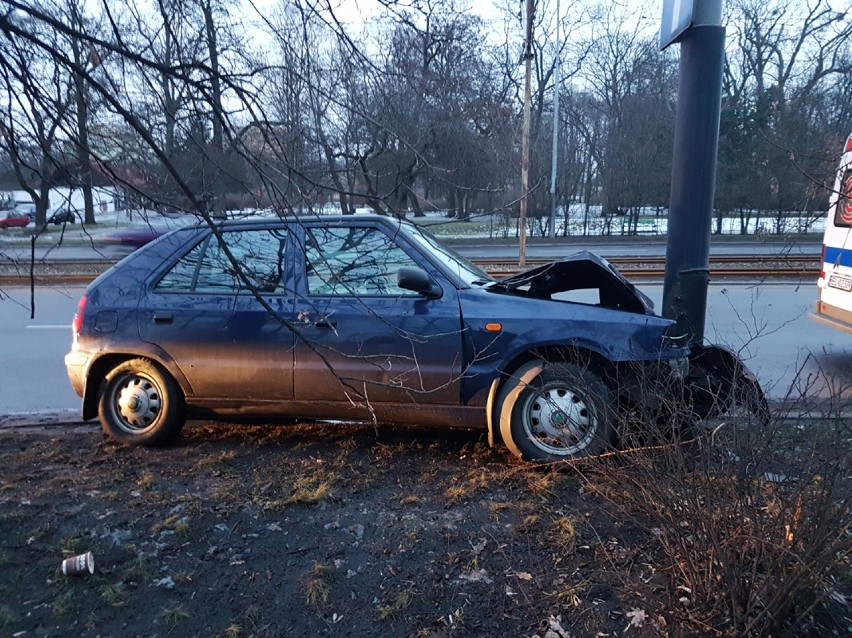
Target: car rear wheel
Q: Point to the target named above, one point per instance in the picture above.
(141, 404)
(563, 413)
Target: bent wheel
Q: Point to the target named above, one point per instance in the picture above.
(562, 413)
(141, 404)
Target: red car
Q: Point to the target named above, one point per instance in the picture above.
(10, 219)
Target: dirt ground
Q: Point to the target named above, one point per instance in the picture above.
(248, 530)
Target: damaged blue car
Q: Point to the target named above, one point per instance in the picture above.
(366, 318)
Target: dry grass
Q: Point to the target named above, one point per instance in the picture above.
(571, 595)
(457, 492)
(541, 485)
(310, 490)
(176, 522)
(113, 595)
(607, 489)
(466, 486)
(563, 533)
(538, 548)
(316, 587)
(528, 523)
(402, 600)
(70, 545)
(172, 616)
(214, 461)
(137, 570)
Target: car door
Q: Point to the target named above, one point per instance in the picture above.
(227, 329)
(359, 334)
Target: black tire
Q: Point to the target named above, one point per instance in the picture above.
(750, 402)
(141, 404)
(563, 413)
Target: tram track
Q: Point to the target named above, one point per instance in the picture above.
(648, 268)
(721, 266)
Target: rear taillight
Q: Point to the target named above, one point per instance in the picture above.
(77, 321)
(848, 144)
(822, 264)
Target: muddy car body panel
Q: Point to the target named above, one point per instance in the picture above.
(308, 319)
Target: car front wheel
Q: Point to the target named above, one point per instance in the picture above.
(141, 404)
(563, 413)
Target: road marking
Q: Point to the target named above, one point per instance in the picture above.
(64, 326)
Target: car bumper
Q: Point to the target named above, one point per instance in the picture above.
(76, 364)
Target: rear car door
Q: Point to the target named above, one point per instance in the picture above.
(362, 335)
(226, 327)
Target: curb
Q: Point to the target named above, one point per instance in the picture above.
(43, 419)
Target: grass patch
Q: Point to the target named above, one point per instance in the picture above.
(137, 570)
(113, 595)
(11, 517)
(233, 631)
(70, 545)
(214, 461)
(563, 533)
(465, 488)
(306, 490)
(316, 587)
(528, 523)
(8, 618)
(173, 616)
(402, 600)
(571, 595)
(177, 522)
(63, 604)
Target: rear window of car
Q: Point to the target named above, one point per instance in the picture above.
(258, 262)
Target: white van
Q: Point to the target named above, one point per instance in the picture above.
(834, 302)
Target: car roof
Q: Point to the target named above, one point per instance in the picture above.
(299, 219)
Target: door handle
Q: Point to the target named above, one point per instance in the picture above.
(329, 324)
(163, 318)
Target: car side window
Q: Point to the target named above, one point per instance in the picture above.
(353, 261)
(207, 269)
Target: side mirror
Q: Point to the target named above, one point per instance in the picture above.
(418, 280)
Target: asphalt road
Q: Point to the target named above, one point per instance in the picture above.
(767, 324)
(32, 370)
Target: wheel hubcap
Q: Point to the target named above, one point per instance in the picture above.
(137, 403)
(559, 420)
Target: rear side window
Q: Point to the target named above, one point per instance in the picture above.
(259, 256)
(843, 207)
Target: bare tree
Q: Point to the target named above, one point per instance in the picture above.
(788, 55)
(633, 87)
(39, 94)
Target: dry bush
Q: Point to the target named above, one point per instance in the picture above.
(750, 522)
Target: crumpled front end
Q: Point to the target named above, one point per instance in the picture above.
(582, 271)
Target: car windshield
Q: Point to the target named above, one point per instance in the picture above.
(467, 272)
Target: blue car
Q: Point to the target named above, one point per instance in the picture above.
(366, 318)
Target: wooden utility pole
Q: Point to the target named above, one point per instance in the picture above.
(554, 156)
(525, 151)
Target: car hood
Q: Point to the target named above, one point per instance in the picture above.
(581, 271)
